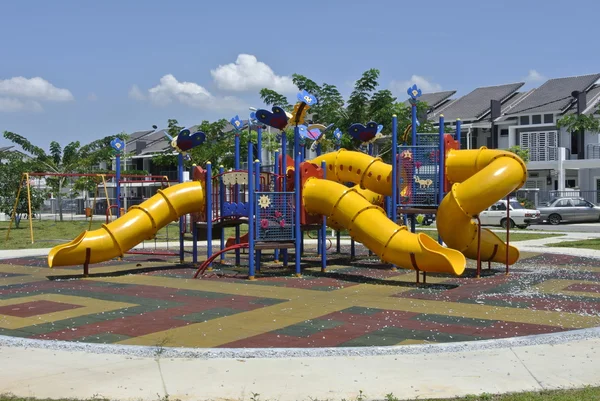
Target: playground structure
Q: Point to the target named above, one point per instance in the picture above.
(429, 175)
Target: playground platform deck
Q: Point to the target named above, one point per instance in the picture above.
(147, 300)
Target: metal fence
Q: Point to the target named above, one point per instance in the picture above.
(539, 197)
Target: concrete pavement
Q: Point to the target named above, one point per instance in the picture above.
(551, 361)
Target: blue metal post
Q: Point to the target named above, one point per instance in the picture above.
(458, 133)
(324, 229)
(221, 203)
(284, 181)
(236, 195)
(394, 205)
(319, 149)
(251, 272)
(181, 219)
(441, 165)
(297, 230)
(370, 149)
(259, 143)
(414, 152)
(209, 211)
(118, 183)
(257, 188)
(195, 234)
(277, 189)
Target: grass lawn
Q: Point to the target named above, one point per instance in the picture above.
(593, 243)
(48, 233)
(585, 394)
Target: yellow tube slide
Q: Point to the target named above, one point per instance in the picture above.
(367, 171)
(140, 223)
(369, 225)
(481, 178)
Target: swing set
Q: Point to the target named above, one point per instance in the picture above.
(99, 180)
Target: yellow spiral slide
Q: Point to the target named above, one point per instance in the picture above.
(368, 223)
(481, 177)
(140, 223)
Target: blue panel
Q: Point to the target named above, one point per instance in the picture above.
(274, 216)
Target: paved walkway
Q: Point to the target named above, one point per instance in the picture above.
(498, 366)
(327, 336)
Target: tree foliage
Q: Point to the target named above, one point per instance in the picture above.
(523, 153)
(12, 167)
(579, 123)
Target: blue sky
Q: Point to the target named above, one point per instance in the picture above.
(80, 70)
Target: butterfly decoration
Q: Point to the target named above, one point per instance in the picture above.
(366, 134)
(236, 122)
(118, 144)
(307, 98)
(185, 140)
(278, 118)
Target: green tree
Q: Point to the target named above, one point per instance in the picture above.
(519, 151)
(578, 124)
(272, 98)
(359, 101)
(12, 167)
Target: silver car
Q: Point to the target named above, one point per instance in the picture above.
(569, 210)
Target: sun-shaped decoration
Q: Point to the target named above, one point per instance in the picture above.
(407, 154)
(264, 201)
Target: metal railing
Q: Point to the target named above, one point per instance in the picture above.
(593, 151)
(546, 153)
(539, 197)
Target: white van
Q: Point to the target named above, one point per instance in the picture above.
(520, 217)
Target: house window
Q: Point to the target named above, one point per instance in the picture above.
(570, 183)
(548, 118)
(524, 120)
(504, 132)
(536, 119)
(543, 146)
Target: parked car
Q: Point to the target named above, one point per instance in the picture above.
(569, 210)
(520, 217)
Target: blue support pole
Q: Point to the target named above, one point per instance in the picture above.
(394, 203)
(458, 133)
(370, 149)
(209, 211)
(257, 188)
(221, 203)
(251, 272)
(297, 228)
(236, 195)
(441, 166)
(181, 219)
(414, 144)
(195, 235)
(118, 184)
(319, 150)
(259, 143)
(324, 229)
(284, 181)
(277, 189)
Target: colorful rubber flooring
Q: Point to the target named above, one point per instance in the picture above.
(146, 300)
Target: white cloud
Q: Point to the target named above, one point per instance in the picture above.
(247, 73)
(34, 88)
(13, 105)
(92, 97)
(422, 83)
(136, 93)
(191, 94)
(534, 76)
